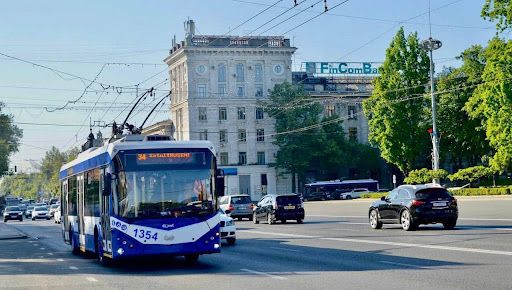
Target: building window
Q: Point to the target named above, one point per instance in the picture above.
(203, 135)
(224, 160)
(223, 114)
(241, 113)
(258, 91)
(352, 134)
(259, 113)
(260, 135)
(221, 73)
(222, 90)
(330, 110)
(240, 91)
(352, 111)
(242, 135)
(201, 91)
(258, 73)
(242, 158)
(202, 114)
(261, 158)
(223, 136)
(240, 71)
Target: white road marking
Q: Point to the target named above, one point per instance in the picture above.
(51, 254)
(506, 229)
(400, 264)
(42, 249)
(73, 268)
(60, 260)
(264, 274)
(91, 279)
(410, 245)
(285, 249)
(362, 216)
(282, 234)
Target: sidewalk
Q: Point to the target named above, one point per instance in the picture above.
(8, 232)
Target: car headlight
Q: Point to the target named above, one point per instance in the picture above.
(230, 223)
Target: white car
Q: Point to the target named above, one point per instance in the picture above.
(53, 208)
(40, 212)
(355, 193)
(56, 216)
(227, 229)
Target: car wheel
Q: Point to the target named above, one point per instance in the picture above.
(255, 219)
(375, 223)
(406, 221)
(349, 197)
(449, 225)
(191, 259)
(240, 218)
(299, 221)
(231, 241)
(283, 221)
(21, 219)
(5, 220)
(269, 219)
(33, 219)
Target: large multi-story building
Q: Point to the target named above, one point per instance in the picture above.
(217, 84)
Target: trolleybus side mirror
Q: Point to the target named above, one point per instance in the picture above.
(107, 181)
(219, 182)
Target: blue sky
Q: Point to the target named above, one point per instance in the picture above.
(79, 36)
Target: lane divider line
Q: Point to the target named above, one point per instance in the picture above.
(73, 268)
(406, 245)
(285, 249)
(264, 274)
(91, 279)
(401, 264)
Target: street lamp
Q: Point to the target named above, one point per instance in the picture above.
(430, 45)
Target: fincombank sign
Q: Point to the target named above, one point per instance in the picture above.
(342, 68)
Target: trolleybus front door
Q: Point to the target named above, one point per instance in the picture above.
(106, 234)
(64, 209)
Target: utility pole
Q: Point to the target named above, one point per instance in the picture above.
(430, 45)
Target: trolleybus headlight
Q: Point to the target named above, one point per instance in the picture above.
(120, 251)
(216, 246)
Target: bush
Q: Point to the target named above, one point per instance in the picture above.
(471, 174)
(424, 175)
(374, 195)
(482, 191)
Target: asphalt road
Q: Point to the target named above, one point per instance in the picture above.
(334, 249)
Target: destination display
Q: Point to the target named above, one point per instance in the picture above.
(176, 158)
(341, 68)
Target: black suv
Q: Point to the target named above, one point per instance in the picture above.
(412, 205)
(13, 213)
(272, 208)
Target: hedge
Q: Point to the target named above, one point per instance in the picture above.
(482, 191)
(458, 192)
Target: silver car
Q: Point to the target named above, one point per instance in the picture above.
(240, 205)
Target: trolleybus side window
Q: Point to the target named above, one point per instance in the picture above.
(72, 199)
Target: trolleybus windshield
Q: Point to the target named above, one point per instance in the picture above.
(164, 184)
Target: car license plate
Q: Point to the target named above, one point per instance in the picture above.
(289, 207)
(439, 204)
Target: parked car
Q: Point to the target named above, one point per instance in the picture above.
(272, 208)
(57, 216)
(28, 212)
(240, 205)
(412, 205)
(354, 193)
(53, 208)
(227, 228)
(13, 213)
(40, 212)
(315, 195)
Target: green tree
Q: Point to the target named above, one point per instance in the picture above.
(396, 111)
(296, 145)
(49, 171)
(463, 138)
(492, 102)
(500, 11)
(425, 175)
(471, 174)
(10, 136)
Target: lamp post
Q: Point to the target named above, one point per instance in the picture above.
(430, 45)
